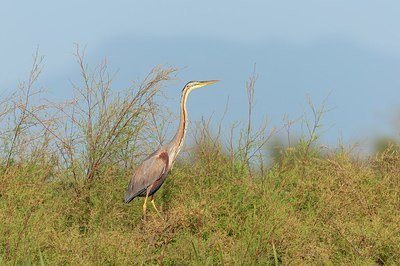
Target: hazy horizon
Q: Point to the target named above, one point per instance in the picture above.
(347, 53)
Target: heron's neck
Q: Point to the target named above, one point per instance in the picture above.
(180, 135)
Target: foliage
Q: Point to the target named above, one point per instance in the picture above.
(219, 207)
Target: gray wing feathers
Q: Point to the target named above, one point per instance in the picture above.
(150, 170)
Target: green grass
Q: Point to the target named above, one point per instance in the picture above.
(333, 209)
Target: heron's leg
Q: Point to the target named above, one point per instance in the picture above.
(145, 203)
(154, 206)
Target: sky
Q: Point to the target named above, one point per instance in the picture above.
(346, 53)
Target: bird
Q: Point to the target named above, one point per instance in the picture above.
(152, 172)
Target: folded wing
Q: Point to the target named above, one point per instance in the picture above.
(151, 172)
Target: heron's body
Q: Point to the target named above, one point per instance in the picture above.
(152, 172)
(155, 166)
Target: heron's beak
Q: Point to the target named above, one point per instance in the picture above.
(205, 83)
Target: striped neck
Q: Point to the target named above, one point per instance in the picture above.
(180, 135)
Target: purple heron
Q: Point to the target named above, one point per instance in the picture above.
(152, 172)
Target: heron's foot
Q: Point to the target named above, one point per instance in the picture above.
(154, 206)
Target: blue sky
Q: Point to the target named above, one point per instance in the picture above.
(348, 51)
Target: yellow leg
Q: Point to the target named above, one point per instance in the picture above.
(154, 206)
(145, 205)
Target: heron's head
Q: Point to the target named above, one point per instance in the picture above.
(192, 85)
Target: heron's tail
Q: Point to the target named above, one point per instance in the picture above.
(130, 194)
(128, 198)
